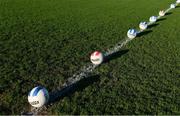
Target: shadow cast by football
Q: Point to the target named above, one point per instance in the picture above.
(153, 25)
(169, 13)
(144, 33)
(69, 90)
(162, 19)
(115, 55)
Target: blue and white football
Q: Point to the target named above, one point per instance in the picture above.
(153, 19)
(172, 6)
(131, 33)
(143, 25)
(38, 96)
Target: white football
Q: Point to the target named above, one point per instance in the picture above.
(161, 13)
(143, 25)
(96, 58)
(38, 96)
(172, 6)
(178, 1)
(132, 33)
(153, 19)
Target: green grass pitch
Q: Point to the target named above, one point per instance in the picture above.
(43, 42)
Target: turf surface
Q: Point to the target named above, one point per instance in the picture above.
(43, 42)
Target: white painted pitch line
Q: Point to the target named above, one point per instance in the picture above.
(84, 72)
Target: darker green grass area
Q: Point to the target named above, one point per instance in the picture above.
(43, 42)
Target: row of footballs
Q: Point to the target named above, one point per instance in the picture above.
(132, 33)
(97, 57)
(39, 96)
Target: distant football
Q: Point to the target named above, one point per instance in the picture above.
(161, 13)
(178, 1)
(38, 96)
(153, 19)
(96, 57)
(143, 25)
(131, 33)
(172, 6)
